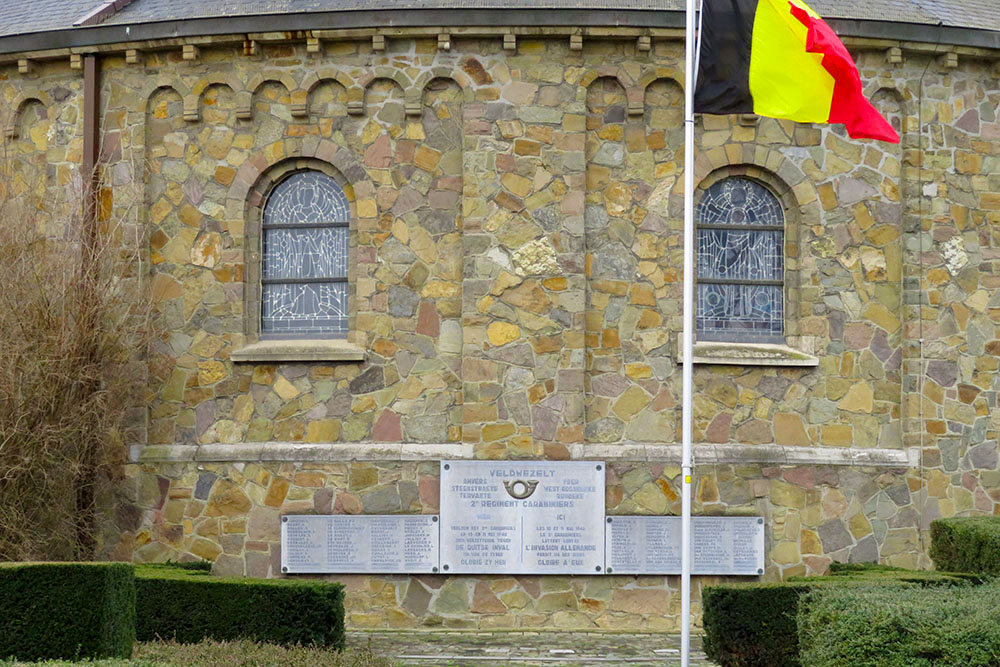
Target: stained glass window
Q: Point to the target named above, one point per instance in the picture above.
(304, 268)
(740, 263)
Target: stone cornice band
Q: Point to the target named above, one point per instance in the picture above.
(704, 454)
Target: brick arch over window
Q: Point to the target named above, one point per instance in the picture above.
(249, 194)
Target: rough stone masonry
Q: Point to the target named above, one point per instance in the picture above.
(514, 285)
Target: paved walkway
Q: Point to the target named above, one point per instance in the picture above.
(527, 649)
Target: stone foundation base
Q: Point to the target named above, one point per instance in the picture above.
(843, 509)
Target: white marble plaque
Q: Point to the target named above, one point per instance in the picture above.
(652, 545)
(522, 517)
(359, 543)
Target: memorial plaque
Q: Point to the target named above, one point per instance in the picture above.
(652, 545)
(522, 517)
(359, 543)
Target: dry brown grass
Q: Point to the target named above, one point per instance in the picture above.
(233, 654)
(73, 330)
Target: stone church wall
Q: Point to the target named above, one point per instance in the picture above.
(515, 293)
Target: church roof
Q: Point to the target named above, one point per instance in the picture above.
(47, 16)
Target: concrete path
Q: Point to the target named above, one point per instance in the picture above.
(527, 649)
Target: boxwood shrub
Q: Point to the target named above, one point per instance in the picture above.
(189, 605)
(753, 624)
(66, 610)
(900, 626)
(966, 544)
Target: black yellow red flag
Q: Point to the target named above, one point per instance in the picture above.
(778, 58)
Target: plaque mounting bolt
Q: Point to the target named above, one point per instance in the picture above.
(434, 569)
(284, 519)
(598, 568)
(760, 521)
(610, 519)
(447, 466)
(434, 520)
(608, 571)
(760, 570)
(598, 466)
(444, 567)
(284, 569)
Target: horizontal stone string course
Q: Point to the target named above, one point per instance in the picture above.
(703, 453)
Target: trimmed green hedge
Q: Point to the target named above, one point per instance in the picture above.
(66, 610)
(750, 625)
(190, 605)
(966, 544)
(900, 626)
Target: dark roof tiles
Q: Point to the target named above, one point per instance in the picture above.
(21, 17)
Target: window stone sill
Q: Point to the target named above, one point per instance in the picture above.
(335, 349)
(748, 354)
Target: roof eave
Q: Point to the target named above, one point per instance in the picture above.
(94, 36)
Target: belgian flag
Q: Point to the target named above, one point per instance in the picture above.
(778, 58)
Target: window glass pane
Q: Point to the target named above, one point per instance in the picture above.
(305, 253)
(316, 253)
(307, 197)
(739, 201)
(309, 308)
(740, 255)
(730, 257)
(740, 309)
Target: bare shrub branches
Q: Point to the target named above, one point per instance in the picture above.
(73, 331)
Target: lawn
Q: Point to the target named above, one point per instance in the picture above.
(231, 654)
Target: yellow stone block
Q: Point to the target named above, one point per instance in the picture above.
(285, 389)
(859, 398)
(437, 289)
(243, 408)
(517, 185)
(492, 432)
(837, 435)
(322, 430)
(610, 133)
(159, 211)
(427, 158)
(631, 402)
(786, 553)
(210, 372)
(882, 316)
(367, 208)
(638, 371)
(859, 526)
(502, 333)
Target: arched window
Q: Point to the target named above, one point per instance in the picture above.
(740, 263)
(305, 258)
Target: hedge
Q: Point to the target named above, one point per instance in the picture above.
(966, 544)
(897, 627)
(66, 610)
(189, 605)
(750, 625)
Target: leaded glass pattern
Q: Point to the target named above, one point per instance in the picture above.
(305, 257)
(740, 294)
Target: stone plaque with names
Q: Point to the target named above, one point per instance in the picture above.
(359, 543)
(652, 545)
(522, 517)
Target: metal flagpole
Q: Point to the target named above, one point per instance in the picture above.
(688, 332)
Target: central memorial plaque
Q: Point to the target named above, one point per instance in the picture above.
(522, 517)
